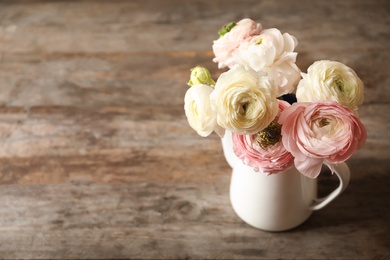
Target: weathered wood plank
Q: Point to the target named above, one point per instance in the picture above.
(115, 144)
(95, 80)
(129, 144)
(91, 26)
(181, 221)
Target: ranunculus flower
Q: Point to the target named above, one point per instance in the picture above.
(331, 80)
(272, 52)
(322, 131)
(264, 151)
(245, 102)
(228, 43)
(200, 115)
(285, 74)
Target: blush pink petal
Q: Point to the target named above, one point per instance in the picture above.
(310, 167)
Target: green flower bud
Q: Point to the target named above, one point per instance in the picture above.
(200, 75)
(226, 28)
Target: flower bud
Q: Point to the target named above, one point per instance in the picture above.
(226, 28)
(200, 75)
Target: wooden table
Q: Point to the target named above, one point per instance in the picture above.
(96, 156)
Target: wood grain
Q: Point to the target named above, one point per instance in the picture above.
(181, 221)
(96, 156)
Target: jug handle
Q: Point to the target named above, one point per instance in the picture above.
(343, 173)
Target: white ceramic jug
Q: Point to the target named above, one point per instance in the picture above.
(275, 202)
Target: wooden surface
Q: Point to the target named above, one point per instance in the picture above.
(97, 159)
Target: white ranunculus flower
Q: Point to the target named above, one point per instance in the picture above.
(272, 52)
(331, 80)
(285, 73)
(200, 115)
(245, 102)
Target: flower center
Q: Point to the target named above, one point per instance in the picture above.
(340, 84)
(244, 106)
(270, 135)
(259, 41)
(323, 122)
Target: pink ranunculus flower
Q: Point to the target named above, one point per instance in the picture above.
(224, 47)
(271, 158)
(322, 131)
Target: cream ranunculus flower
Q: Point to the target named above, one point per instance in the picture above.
(331, 80)
(200, 115)
(245, 102)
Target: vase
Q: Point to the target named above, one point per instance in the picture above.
(276, 202)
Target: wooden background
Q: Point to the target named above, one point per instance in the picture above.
(96, 156)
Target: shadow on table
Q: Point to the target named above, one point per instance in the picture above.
(363, 207)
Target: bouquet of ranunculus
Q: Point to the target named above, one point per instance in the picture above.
(319, 123)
